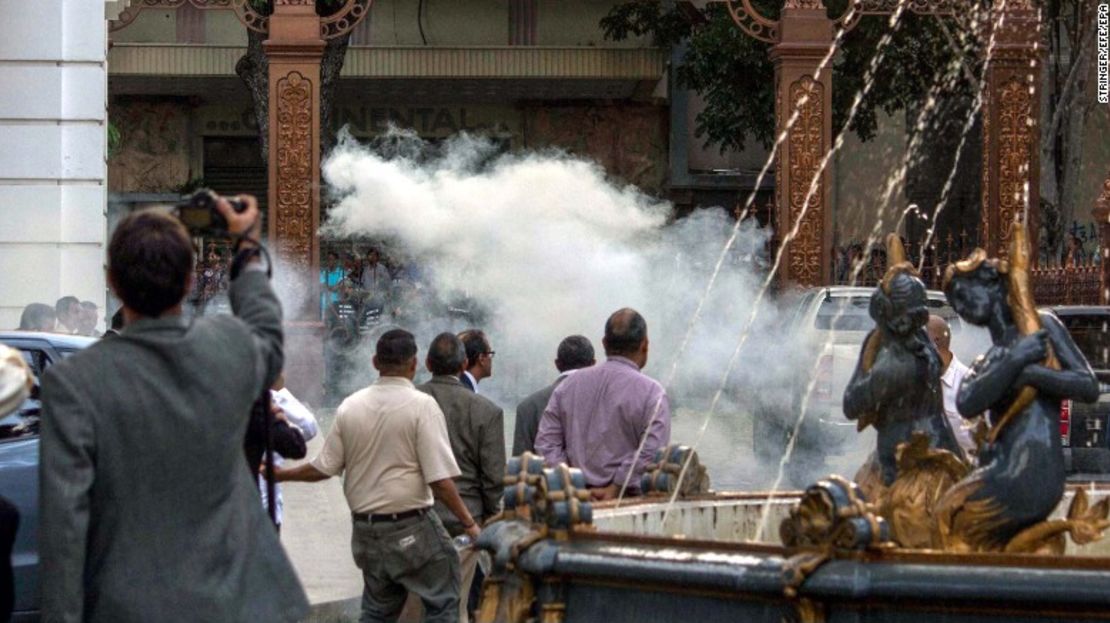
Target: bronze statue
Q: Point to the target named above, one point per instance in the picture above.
(1032, 366)
(896, 385)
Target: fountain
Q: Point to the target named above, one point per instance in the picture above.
(929, 535)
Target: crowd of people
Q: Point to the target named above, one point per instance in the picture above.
(144, 437)
(69, 315)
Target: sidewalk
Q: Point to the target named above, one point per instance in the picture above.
(316, 534)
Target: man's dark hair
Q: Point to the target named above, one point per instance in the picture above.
(625, 330)
(117, 320)
(150, 258)
(476, 344)
(574, 352)
(37, 317)
(395, 348)
(65, 304)
(446, 355)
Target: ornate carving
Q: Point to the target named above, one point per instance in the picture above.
(804, 4)
(675, 470)
(834, 513)
(294, 146)
(752, 22)
(806, 146)
(344, 20)
(985, 216)
(243, 10)
(1016, 127)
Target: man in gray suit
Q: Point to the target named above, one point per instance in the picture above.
(147, 512)
(476, 428)
(575, 352)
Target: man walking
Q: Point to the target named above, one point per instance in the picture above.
(598, 417)
(390, 441)
(479, 358)
(146, 511)
(575, 352)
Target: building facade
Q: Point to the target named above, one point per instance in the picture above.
(53, 175)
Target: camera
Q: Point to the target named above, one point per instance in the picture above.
(199, 214)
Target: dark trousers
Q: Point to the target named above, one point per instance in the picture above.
(9, 523)
(412, 555)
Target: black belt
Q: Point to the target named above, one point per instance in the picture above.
(375, 518)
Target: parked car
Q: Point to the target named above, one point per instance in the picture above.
(836, 320)
(19, 461)
(1083, 425)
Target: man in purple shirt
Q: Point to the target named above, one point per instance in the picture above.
(598, 417)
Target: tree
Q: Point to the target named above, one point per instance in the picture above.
(734, 75)
(253, 69)
(1067, 102)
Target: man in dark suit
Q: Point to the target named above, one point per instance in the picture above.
(479, 358)
(146, 511)
(476, 428)
(575, 352)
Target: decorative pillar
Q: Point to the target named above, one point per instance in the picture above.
(294, 50)
(805, 34)
(1011, 126)
(1101, 214)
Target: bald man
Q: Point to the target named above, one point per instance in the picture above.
(952, 374)
(608, 420)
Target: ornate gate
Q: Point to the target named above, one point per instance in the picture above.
(802, 38)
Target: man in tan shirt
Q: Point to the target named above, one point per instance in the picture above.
(391, 443)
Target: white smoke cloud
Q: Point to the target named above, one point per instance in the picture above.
(552, 247)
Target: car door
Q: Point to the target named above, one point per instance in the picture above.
(19, 479)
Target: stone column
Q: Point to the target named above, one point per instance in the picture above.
(53, 129)
(294, 49)
(1011, 126)
(805, 34)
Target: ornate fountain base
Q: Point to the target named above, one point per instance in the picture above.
(696, 561)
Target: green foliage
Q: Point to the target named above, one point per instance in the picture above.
(733, 72)
(323, 7)
(115, 139)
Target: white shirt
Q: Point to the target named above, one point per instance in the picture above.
(473, 381)
(950, 384)
(389, 441)
(298, 415)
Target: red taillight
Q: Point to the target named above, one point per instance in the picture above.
(1065, 423)
(822, 389)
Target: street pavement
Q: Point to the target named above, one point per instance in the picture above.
(316, 533)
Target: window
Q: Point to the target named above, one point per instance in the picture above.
(1091, 333)
(852, 313)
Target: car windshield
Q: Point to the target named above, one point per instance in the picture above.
(850, 313)
(1090, 332)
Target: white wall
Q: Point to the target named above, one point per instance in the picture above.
(53, 122)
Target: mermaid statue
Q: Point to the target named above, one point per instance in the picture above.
(896, 384)
(1032, 366)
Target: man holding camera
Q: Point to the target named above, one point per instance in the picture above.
(146, 511)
